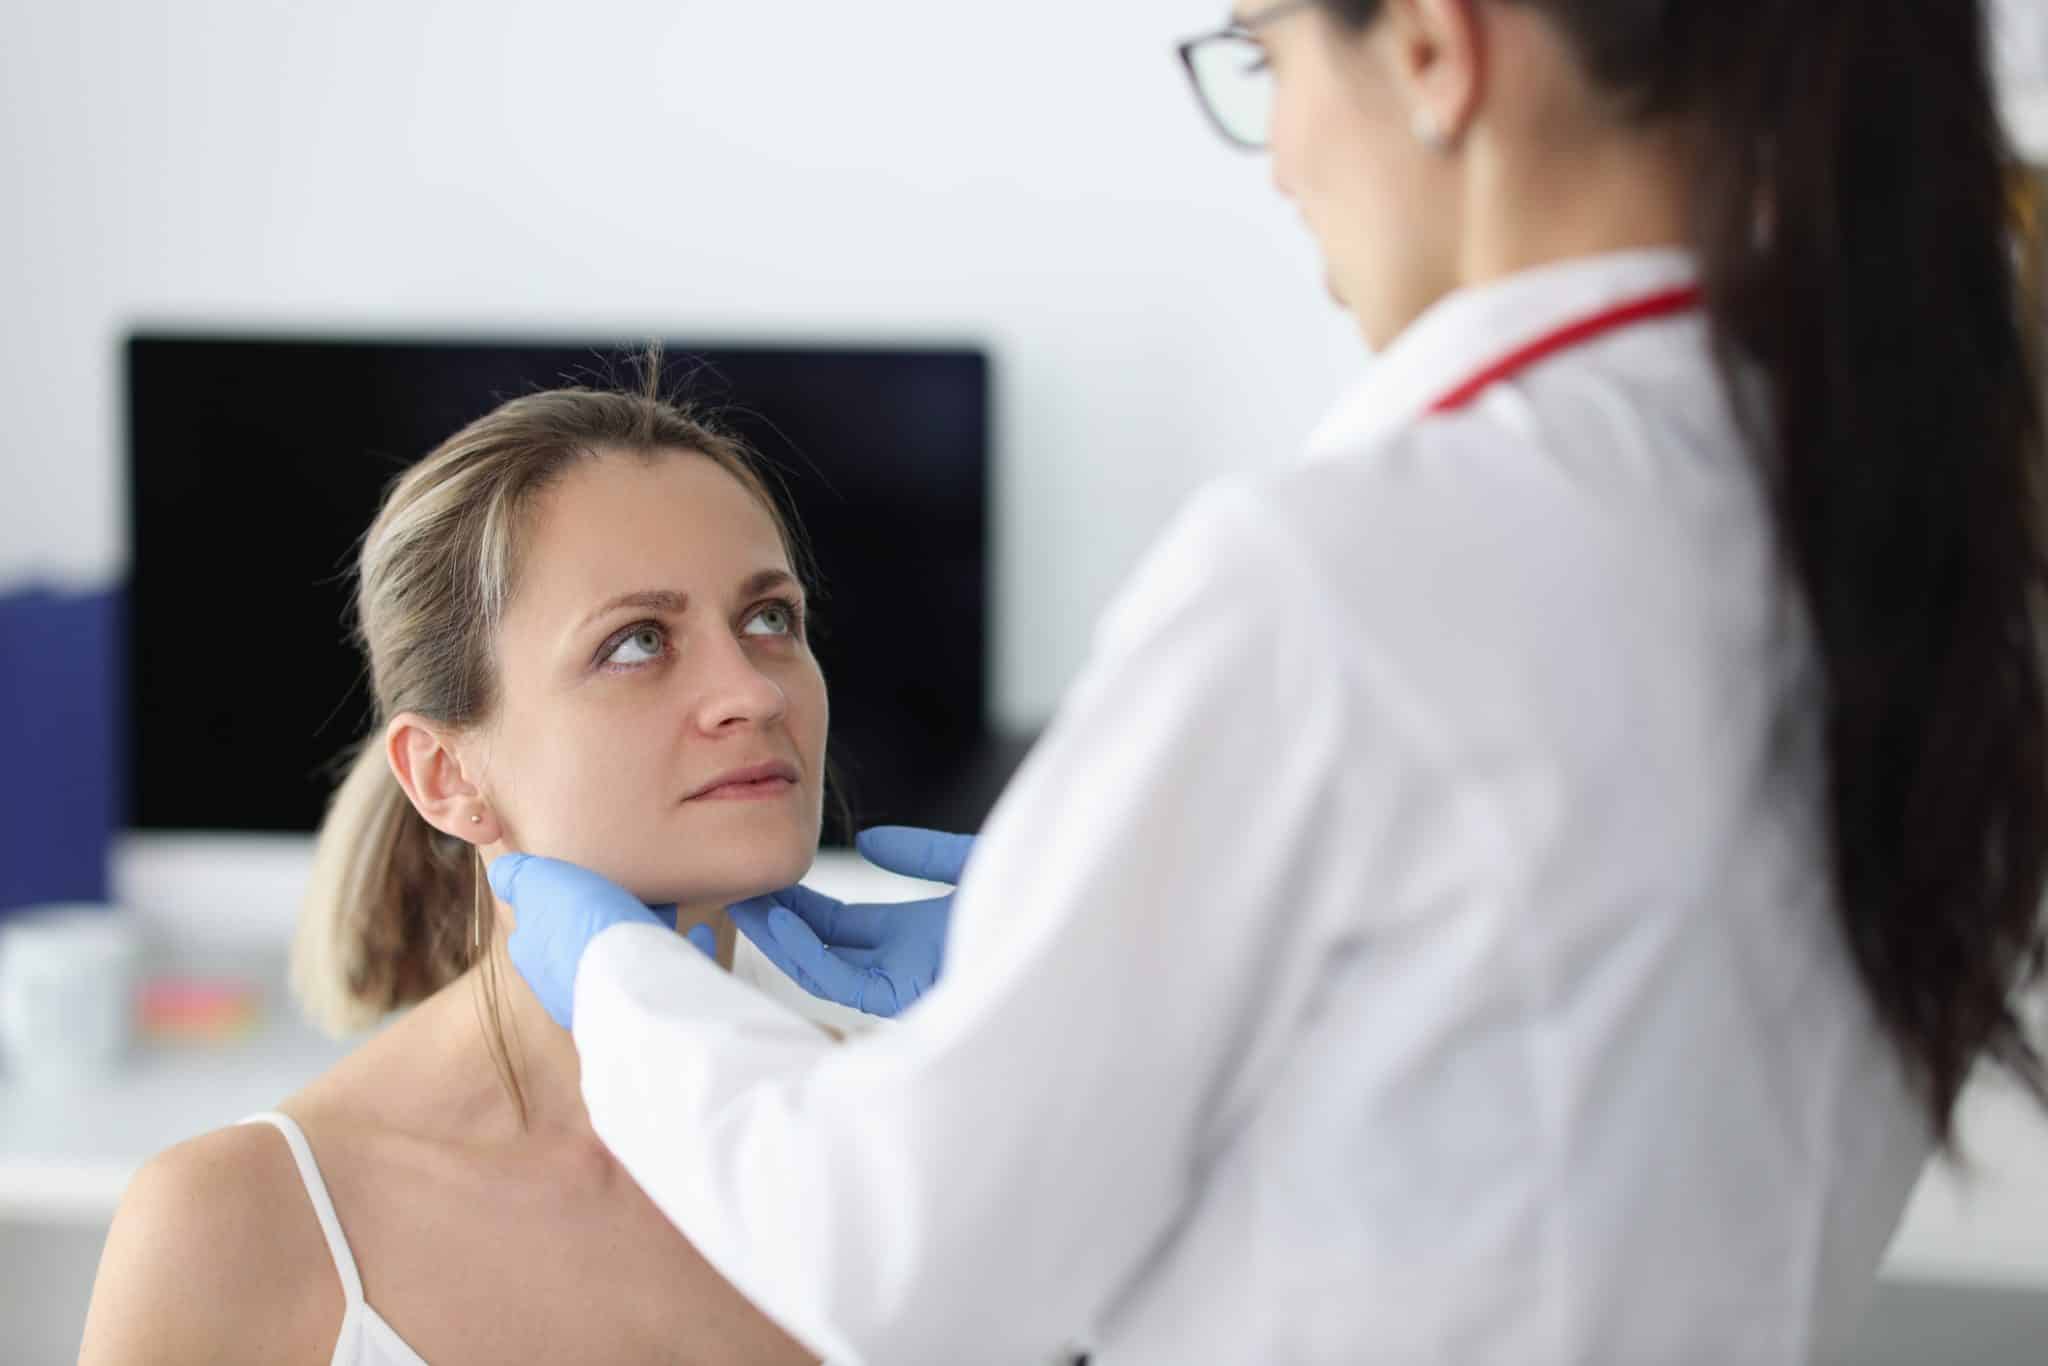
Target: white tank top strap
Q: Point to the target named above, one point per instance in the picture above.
(316, 1191)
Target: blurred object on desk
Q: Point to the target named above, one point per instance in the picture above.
(66, 1156)
(197, 1009)
(2019, 51)
(2020, 42)
(67, 992)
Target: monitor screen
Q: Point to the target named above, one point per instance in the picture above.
(257, 462)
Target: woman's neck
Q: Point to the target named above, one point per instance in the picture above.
(1544, 204)
(464, 1024)
(714, 915)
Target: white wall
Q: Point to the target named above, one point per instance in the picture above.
(1032, 176)
(2020, 53)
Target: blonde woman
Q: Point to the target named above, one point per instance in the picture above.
(585, 634)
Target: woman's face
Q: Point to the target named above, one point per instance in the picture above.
(654, 647)
(1381, 208)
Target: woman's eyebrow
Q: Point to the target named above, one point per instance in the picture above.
(766, 579)
(652, 599)
(674, 603)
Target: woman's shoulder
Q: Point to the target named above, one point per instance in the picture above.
(216, 1254)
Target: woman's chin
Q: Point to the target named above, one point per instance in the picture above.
(724, 876)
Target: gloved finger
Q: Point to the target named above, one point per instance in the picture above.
(552, 884)
(827, 975)
(826, 915)
(703, 936)
(752, 918)
(932, 855)
(879, 995)
(873, 925)
(851, 977)
(807, 982)
(840, 925)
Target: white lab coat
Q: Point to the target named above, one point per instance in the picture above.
(1408, 944)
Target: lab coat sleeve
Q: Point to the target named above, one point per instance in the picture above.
(1139, 925)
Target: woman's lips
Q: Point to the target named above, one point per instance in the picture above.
(752, 783)
(746, 791)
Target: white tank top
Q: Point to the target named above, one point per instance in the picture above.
(366, 1339)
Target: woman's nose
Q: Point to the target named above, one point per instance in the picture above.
(735, 691)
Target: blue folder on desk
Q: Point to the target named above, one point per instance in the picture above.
(59, 710)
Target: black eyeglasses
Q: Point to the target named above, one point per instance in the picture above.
(1231, 80)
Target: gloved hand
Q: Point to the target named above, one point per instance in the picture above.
(876, 958)
(560, 907)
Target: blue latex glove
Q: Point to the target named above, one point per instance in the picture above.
(560, 908)
(875, 958)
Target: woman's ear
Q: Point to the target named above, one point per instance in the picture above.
(429, 767)
(1437, 50)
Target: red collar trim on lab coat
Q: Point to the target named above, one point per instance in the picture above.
(1662, 304)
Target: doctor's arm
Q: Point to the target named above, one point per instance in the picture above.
(1133, 940)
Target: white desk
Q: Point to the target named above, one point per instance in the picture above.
(66, 1155)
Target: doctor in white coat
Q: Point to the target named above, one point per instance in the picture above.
(1523, 883)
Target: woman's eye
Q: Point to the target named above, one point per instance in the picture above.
(641, 645)
(780, 618)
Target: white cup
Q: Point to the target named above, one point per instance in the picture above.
(67, 991)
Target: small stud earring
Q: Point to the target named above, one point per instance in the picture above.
(1425, 129)
(475, 819)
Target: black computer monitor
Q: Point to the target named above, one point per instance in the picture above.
(256, 462)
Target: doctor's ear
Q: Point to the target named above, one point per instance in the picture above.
(429, 766)
(1437, 49)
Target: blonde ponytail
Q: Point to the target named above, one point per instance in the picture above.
(375, 931)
